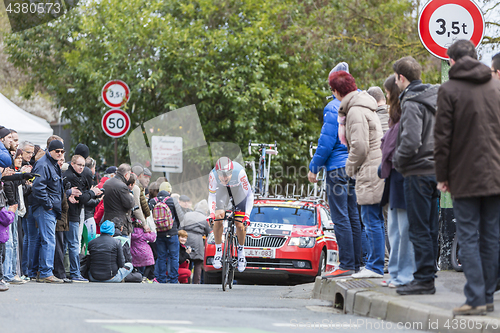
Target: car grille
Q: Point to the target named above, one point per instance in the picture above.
(275, 263)
(265, 241)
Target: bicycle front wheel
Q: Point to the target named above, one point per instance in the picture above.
(227, 259)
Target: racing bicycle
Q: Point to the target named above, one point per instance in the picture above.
(229, 254)
(263, 175)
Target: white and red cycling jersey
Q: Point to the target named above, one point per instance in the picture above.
(218, 197)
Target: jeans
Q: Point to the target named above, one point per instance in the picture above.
(72, 244)
(25, 256)
(46, 220)
(478, 232)
(59, 271)
(167, 247)
(9, 266)
(373, 219)
(421, 197)
(2, 259)
(120, 275)
(344, 211)
(32, 233)
(402, 257)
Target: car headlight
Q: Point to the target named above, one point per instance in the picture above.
(302, 241)
(211, 238)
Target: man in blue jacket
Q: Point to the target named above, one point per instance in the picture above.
(5, 142)
(332, 155)
(47, 198)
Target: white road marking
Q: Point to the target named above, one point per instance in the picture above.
(138, 321)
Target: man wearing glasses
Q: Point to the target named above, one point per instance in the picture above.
(73, 178)
(229, 175)
(46, 205)
(28, 150)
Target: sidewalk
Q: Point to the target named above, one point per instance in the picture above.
(365, 297)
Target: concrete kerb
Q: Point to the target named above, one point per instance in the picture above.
(408, 314)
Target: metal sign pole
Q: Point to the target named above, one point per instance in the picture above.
(116, 153)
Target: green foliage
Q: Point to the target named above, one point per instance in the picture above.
(254, 69)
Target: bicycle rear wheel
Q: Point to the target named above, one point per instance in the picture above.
(227, 259)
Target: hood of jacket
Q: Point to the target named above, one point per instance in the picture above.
(421, 93)
(470, 69)
(357, 99)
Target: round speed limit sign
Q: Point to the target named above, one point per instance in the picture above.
(442, 22)
(115, 123)
(115, 93)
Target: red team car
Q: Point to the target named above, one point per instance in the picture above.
(287, 238)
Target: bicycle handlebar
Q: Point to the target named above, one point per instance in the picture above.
(261, 145)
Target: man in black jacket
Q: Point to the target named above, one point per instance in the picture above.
(467, 154)
(73, 178)
(106, 261)
(414, 159)
(118, 200)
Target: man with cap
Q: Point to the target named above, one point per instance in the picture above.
(110, 172)
(331, 155)
(47, 193)
(185, 203)
(106, 261)
(5, 143)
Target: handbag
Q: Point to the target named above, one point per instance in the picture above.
(21, 209)
(3, 197)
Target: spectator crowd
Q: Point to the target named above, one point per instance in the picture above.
(387, 158)
(399, 153)
(65, 223)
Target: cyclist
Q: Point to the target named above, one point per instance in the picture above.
(229, 176)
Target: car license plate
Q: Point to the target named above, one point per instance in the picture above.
(260, 253)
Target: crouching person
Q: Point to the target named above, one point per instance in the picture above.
(106, 260)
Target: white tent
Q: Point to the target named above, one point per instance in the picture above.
(28, 126)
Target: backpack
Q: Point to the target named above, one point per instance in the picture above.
(162, 215)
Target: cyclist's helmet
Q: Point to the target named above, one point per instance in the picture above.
(224, 167)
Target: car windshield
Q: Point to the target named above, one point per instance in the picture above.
(283, 215)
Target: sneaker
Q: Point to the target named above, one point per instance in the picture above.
(385, 283)
(16, 280)
(392, 285)
(467, 310)
(5, 282)
(242, 264)
(366, 274)
(338, 273)
(4, 286)
(66, 280)
(490, 307)
(25, 278)
(417, 288)
(217, 261)
(50, 279)
(80, 279)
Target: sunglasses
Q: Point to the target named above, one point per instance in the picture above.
(224, 173)
(59, 151)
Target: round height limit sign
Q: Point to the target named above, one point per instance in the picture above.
(442, 22)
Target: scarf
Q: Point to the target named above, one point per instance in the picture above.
(342, 138)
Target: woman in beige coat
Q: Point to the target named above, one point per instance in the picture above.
(360, 130)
